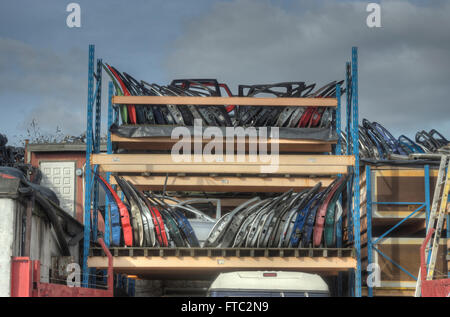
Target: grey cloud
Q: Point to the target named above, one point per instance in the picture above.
(27, 69)
(42, 78)
(53, 114)
(404, 69)
(54, 83)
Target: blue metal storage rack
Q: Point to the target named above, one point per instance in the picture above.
(371, 245)
(93, 146)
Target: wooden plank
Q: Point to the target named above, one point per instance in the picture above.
(403, 172)
(398, 284)
(166, 143)
(250, 160)
(206, 101)
(282, 164)
(225, 184)
(406, 241)
(391, 292)
(118, 138)
(225, 252)
(387, 214)
(230, 169)
(142, 265)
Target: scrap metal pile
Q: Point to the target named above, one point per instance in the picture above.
(145, 219)
(376, 142)
(289, 220)
(231, 115)
(10, 155)
(12, 160)
(291, 117)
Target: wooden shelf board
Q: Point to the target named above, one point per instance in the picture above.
(390, 292)
(402, 172)
(247, 160)
(140, 265)
(400, 214)
(284, 165)
(216, 169)
(225, 183)
(211, 101)
(166, 143)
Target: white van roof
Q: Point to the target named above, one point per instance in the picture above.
(275, 280)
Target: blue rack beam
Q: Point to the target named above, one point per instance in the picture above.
(88, 172)
(96, 145)
(349, 147)
(427, 195)
(356, 193)
(349, 151)
(369, 223)
(92, 146)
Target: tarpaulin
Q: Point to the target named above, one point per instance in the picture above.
(148, 131)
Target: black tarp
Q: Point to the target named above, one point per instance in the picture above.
(145, 131)
(408, 163)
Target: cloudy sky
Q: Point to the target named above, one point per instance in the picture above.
(404, 66)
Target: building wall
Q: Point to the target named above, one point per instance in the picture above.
(43, 246)
(8, 208)
(80, 159)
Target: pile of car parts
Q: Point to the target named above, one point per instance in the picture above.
(291, 117)
(145, 219)
(376, 142)
(231, 115)
(12, 161)
(289, 220)
(10, 155)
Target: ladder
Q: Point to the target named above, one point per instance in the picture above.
(437, 216)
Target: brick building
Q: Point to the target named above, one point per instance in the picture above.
(62, 166)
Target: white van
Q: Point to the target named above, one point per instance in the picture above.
(268, 284)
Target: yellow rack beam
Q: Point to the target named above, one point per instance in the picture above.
(225, 183)
(248, 160)
(163, 163)
(141, 265)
